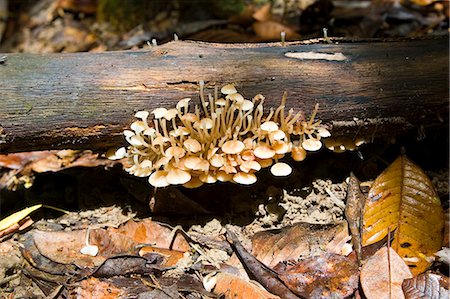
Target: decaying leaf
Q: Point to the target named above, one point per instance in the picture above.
(299, 240)
(234, 287)
(426, 285)
(64, 247)
(95, 288)
(403, 199)
(382, 275)
(326, 276)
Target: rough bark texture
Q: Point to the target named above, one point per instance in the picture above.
(85, 100)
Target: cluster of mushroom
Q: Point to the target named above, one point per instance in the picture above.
(224, 139)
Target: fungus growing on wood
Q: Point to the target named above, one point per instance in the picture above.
(226, 138)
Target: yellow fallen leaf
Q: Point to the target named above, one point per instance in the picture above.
(403, 199)
(16, 217)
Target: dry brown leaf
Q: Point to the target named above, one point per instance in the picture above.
(263, 13)
(403, 199)
(19, 160)
(271, 30)
(64, 247)
(273, 247)
(427, 285)
(375, 276)
(94, 288)
(234, 287)
(326, 276)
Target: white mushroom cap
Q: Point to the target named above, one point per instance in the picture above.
(193, 183)
(323, 132)
(269, 126)
(128, 133)
(311, 145)
(221, 102)
(141, 114)
(228, 168)
(149, 132)
(247, 155)
(246, 105)
(192, 145)
(171, 113)
(178, 176)
(228, 89)
(182, 103)
(160, 140)
(264, 152)
(205, 123)
(233, 147)
(159, 112)
(162, 161)
(158, 179)
(281, 169)
(277, 135)
(237, 97)
(146, 164)
(118, 154)
(244, 178)
(137, 140)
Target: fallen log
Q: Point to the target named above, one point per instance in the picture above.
(85, 100)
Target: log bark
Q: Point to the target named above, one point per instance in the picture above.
(85, 100)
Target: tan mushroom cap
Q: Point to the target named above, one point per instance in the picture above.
(311, 145)
(149, 132)
(228, 89)
(217, 161)
(158, 179)
(264, 152)
(277, 135)
(180, 131)
(208, 178)
(269, 126)
(281, 147)
(265, 162)
(162, 161)
(244, 178)
(196, 163)
(141, 114)
(193, 183)
(159, 112)
(221, 102)
(248, 166)
(178, 176)
(192, 145)
(174, 151)
(189, 117)
(233, 147)
(137, 140)
(298, 153)
(236, 97)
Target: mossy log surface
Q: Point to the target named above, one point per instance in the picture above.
(86, 100)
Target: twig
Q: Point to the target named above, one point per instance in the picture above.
(265, 276)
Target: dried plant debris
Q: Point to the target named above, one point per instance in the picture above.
(224, 139)
(426, 285)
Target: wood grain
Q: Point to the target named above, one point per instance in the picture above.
(85, 100)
